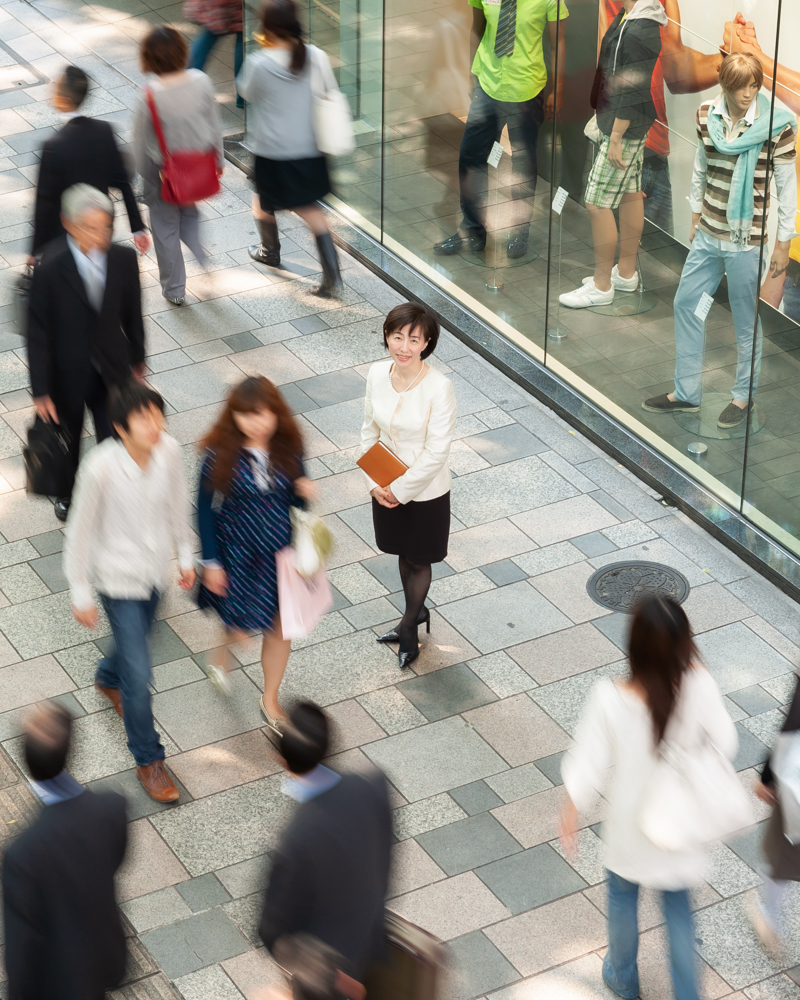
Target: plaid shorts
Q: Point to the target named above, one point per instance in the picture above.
(606, 184)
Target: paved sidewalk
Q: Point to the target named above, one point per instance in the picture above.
(472, 738)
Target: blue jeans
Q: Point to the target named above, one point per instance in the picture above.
(484, 124)
(791, 292)
(128, 668)
(703, 272)
(619, 966)
(658, 188)
(201, 50)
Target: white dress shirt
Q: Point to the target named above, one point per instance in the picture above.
(125, 522)
(785, 180)
(417, 425)
(93, 269)
(615, 756)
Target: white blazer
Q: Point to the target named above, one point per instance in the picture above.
(418, 426)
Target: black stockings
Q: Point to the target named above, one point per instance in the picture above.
(416, 579)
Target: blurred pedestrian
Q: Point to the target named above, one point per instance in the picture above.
(186, 103)
(252, 475)
(83, 151)
(217, 18)
(85, 327)
(783, 856)
(330, 872)
(625, 724)
(63, 933)
(131, 511)
(290, 171)
(411, 408)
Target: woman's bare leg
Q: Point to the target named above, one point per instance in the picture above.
(275, 652)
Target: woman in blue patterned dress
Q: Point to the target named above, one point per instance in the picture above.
(252, 475)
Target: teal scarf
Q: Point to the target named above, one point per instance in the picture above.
(747, 146)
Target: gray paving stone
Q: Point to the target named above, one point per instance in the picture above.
(479, 966)
(447, 692)
(172, 952)
(566, 519)
(503, 491)
(754, 699)
(155, 909)
(751, 752)
(502, 572)
(499, 672)
(554, 433)
(520, 782)
(427, 814)
(530, 878)
(476, 797)
(461, 754)
(336, 387)
(245, 877)
(501, 617)
(49, 569)
(176, 674)
(564, 700)
(210, 983)
(246, 914)
(212, 936)
(737, 658)
(393, 712)
(549, 558)
(551, 767)
(724, 939)
(506, 444)
(310, 324)
(48, 543)
(594, 544)
(195, 714)
(469, 843)
(202, 893)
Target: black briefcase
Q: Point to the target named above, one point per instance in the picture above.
(22, 300)
(413, 966)
(47, 460)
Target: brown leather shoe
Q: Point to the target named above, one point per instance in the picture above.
(113, 696)
(157, 782)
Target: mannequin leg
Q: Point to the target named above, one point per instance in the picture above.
(604, 238)
(631, 224)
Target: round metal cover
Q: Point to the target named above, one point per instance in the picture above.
(621, 586)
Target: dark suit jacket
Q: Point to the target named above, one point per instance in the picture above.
(84, 151)
(331, 871)
(67, 338)
(64, 937)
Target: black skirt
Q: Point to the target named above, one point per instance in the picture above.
(417, 530)
(288, 184)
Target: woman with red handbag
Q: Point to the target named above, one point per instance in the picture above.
(178, 145)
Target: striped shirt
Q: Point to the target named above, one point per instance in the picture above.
(720, 167)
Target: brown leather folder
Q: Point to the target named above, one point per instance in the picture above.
(381, 465)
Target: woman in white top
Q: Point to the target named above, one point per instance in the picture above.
(616, 751)
(411, 409)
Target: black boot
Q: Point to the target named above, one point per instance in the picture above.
(331, 275)
(269, 250)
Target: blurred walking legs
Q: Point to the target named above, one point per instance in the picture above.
(620, 971)
(201, 49)
(172, 225)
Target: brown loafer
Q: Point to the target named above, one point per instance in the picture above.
(157, 782)
(113, 696)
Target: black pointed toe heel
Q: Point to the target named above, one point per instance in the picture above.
(407, 658)
(394, 636)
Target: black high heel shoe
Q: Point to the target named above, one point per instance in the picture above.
(406, 659)
(424, 618)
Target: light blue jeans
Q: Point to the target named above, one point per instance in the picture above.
(703, 272)
(620, 972)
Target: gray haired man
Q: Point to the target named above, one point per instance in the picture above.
(85, 329)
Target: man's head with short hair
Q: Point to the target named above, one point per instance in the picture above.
(305, 738)
(128, 399)
(46, 742)
(71, 89)
(80, 199)
(88, 217)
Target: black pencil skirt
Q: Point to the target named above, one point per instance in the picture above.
(287, 184)
(417, 530)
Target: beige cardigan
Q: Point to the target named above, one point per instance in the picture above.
(417, 425)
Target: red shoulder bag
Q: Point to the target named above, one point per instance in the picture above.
(187, 176)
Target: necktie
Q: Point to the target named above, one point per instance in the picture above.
(506, 28)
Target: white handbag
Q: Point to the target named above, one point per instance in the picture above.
(333, 124)
(785, 764)
(693, 799)
(592, 131)
(312, 542)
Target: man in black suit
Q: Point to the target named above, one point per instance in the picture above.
(85, 327)
(84, 151)
(64, 936)
(330, 873)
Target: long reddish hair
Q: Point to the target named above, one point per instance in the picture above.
(226, 441)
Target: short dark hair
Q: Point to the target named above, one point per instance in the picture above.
(46, 753)
(418, 317)
(305, 739)
(123, 400)
(74, 85)
(163, 50)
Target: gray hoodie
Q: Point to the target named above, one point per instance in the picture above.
(281, 105)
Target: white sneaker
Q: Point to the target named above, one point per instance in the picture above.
(587, 295)
(220, 678)
(624, 284)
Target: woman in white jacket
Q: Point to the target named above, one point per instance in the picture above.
(669, 694)
(411, 409)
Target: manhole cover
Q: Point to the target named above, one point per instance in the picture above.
(621, 586)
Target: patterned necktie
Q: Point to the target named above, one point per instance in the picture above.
(506, 28)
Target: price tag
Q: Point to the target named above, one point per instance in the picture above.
(494, 157)
(560, 200)
(704, 307)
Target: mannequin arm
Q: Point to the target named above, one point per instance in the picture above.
(686, 71)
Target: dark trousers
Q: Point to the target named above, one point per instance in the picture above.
(70, 414)
(484, 126)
